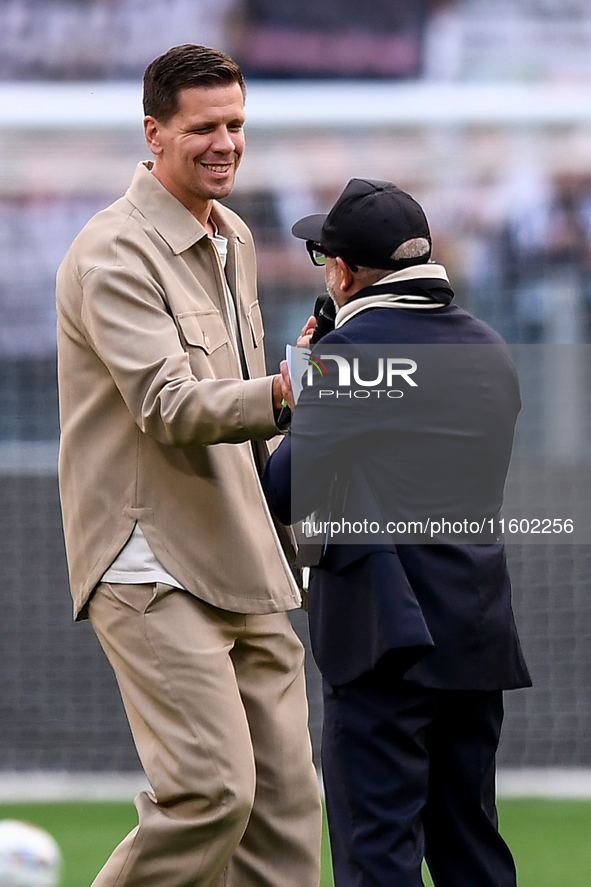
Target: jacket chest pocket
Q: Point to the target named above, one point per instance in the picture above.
(205, 339)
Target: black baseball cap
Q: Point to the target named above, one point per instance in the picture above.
(367, 224)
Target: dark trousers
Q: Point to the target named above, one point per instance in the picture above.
(409, 772)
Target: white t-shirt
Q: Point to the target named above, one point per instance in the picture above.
(136, 564)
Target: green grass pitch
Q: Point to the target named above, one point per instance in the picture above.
(551, 840)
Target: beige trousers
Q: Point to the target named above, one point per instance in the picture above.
(217, 707)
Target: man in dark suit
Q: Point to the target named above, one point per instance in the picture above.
(415, 641)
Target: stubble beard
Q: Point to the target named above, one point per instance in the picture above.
(331, 289)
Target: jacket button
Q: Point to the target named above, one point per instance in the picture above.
(206, 341)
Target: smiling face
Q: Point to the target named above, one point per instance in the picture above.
(198, 150)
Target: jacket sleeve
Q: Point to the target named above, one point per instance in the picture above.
(300, 475)
(276, 481)
(126, 322)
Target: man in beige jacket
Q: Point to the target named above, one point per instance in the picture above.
(171, 548)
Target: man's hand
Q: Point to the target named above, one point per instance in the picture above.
(282, 388)
(286, 384)
(306, 333)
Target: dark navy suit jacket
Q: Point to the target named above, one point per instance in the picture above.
(441, 611)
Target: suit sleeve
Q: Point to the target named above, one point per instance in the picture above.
(300, 475)
(276, 481)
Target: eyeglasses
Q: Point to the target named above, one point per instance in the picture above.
(316, 253)
(319, 256)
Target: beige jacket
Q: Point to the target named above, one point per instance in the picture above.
(155, 416)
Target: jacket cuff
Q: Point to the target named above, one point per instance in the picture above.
(257, 406)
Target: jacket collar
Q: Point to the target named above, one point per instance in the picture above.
(173, 221)
(389, 292)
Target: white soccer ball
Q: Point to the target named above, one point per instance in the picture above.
(29, 856)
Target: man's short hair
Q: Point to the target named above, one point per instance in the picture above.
(181, 67)
(411, 252)
(416, 248)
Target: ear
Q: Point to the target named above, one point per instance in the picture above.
(347, 278)
(152, 130)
